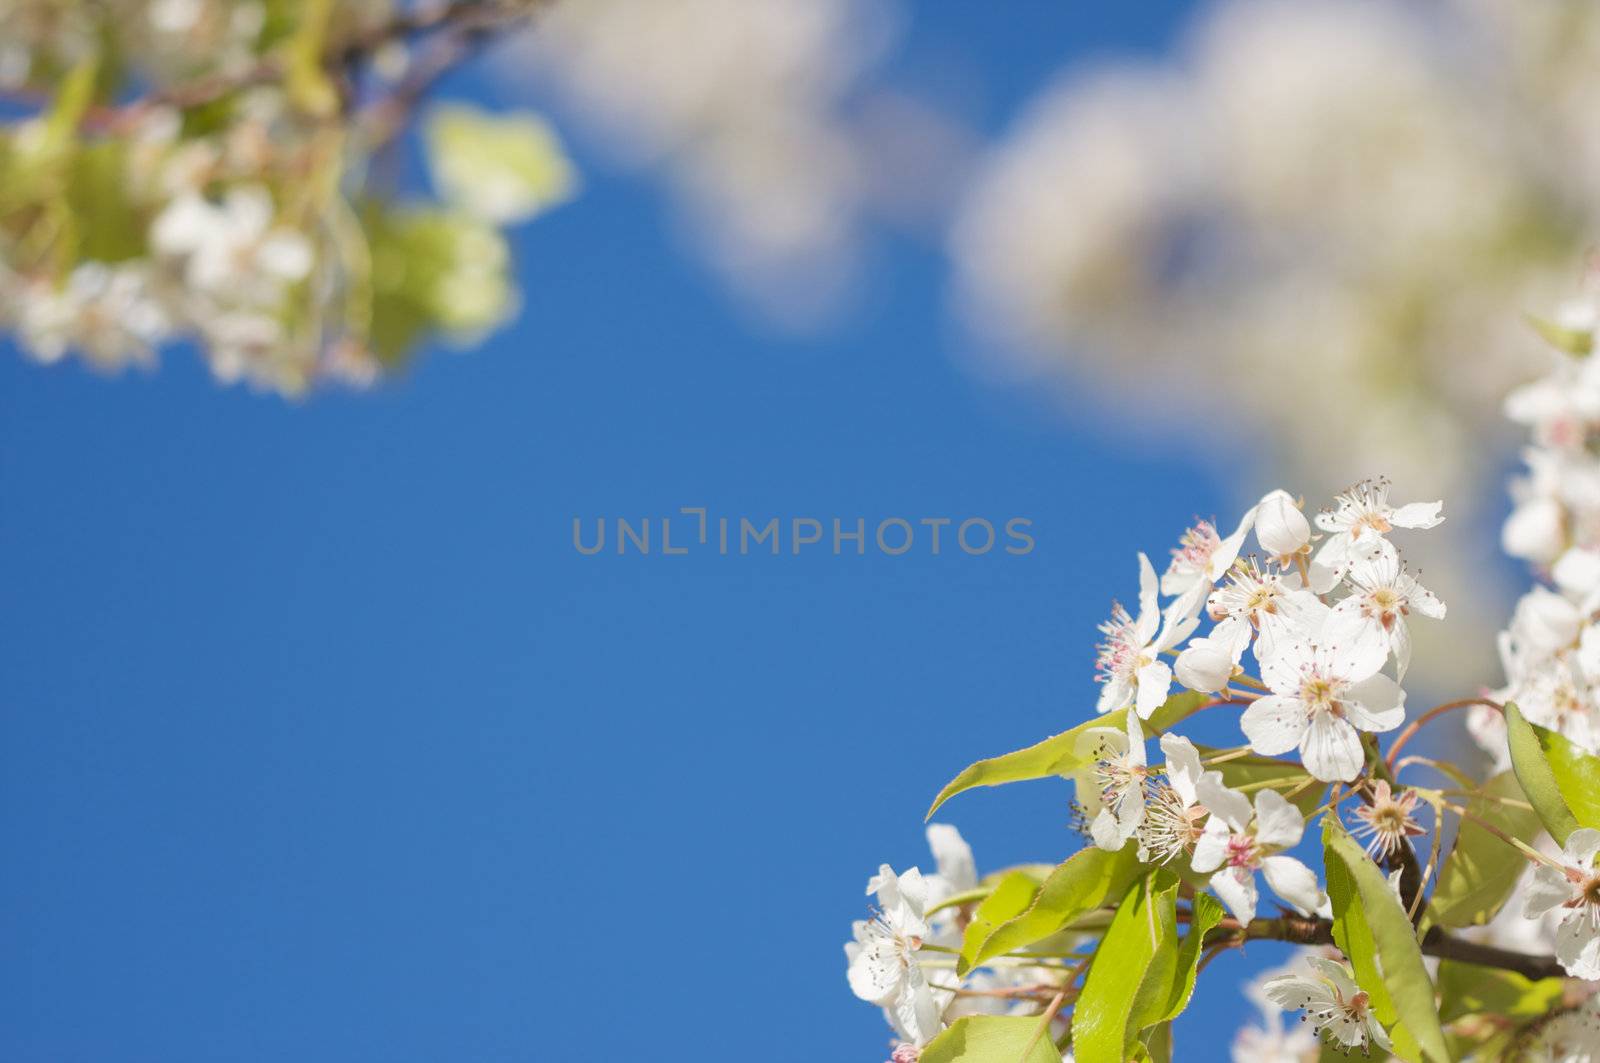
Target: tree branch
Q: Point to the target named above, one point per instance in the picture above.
(1313, 930)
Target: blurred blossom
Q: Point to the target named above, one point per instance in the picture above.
(1314, 198)
(747, 106)
(197, 171)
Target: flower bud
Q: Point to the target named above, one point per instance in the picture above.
(1204, 665)
(1281, 528)
(905, 1053)
(1534, 531)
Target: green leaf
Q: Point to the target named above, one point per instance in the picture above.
(1059, 754)
(1372, 929)
(1085, 881)
(112, 228)
(992, 1039)
(1009, 899)
(1467, 989)
(71, 103)
(1158, 1043)
(1130, 981)
(502, 168)
(1207, 913)
(306, 79)
(433, 270)
(1574, 341)
(1535, 753)
(1482, 870)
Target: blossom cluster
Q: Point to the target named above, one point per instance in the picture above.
(1301, 625)
(1551, 650)
(199, 171)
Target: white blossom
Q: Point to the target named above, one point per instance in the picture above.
(1322, 696)
(1335, 1006)
(1576, 889)
(1361, 520)
(1111, 788)
(1270, 607)
(1129, 660)
(1235, 845)
(884, 968)
(1200, 559)
(1174, 817)
(1370, 624)
(1272, 1041)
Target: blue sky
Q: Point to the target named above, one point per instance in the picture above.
(321, 742)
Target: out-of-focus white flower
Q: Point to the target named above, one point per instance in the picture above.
(1333, 1003)
(1234, 846)
(1535, 530)
(746, 108)
(958, 872)
(1571, 1035)
(1575, 888)
(1129, 660)
(110, 313)
(1322, 696)
(233, 249)
(1272, 1042)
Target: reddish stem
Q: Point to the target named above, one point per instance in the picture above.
(1436, 711)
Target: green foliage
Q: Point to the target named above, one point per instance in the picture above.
(1058, 754)
(1561, 781)
(1372, 930)
(1087, 880)
(1482, 870)
(433, 269)
(1009, 899)
(112, 225)
(1140, 977)
(1467, 989)
(306, 79)
(1206, 913)
(992, 1039)
(502, 168)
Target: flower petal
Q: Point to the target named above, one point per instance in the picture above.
(1278, 823)
(1274, 724)
(1375, 704)
(1294, 882)
(1211, 848)
(1237, 888)
(1155, 682)
(1543, 890)
(1331, 749)
(1417, 515)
